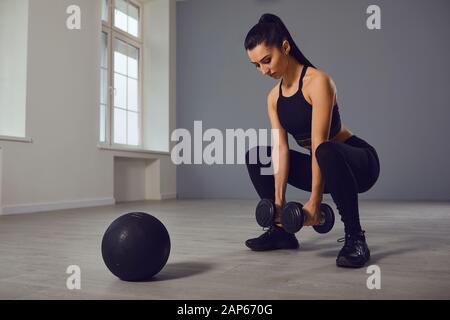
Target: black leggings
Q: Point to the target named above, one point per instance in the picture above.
(348, 168)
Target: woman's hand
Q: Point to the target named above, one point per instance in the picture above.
(311, 209)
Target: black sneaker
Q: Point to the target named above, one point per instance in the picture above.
(355, 252)
(274, 238)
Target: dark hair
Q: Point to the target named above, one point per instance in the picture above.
(272, 31)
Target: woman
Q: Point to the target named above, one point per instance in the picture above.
(340, 163)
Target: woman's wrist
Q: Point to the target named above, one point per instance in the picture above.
(314, 199)
(280, 198)
(280, 201)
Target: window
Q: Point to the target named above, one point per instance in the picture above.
(105, 10)
(120, 88)
(13, 67)
(104, 87)
(126, 17)
(126, 93)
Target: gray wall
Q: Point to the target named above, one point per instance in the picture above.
(393, 85)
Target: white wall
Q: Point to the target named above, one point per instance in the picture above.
(64, 167)
(13, 66)
(1, 180)
(160, 87)
(129, 180)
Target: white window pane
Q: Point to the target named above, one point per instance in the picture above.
(120, 126)
(133, 11)
(104, 50)
(105, 10)
(133, 20)
(120, 56)
(133, 58)
(121, 6)
(103, 123)
(120, 91)
(133, 27)
(133, 129)
(120, 15)
(120, 20)
(103, 86)
(120, 63)
(132, 94)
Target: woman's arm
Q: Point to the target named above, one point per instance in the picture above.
(323, 93)
(280, 151)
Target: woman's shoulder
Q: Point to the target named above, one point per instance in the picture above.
(316, 79)
(315, 75)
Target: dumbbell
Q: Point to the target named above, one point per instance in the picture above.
(293, 218)
(265, 213)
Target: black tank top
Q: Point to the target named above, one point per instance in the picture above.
(295, 114)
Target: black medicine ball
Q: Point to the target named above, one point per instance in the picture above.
(136, 246)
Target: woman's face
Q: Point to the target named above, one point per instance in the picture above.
(271, 61)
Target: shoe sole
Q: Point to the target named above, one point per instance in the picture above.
(343, 262)
(274, 248)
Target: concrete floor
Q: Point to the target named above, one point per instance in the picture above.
(409, 241)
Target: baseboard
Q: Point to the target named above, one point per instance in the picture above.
(61, 205)
(168, 195)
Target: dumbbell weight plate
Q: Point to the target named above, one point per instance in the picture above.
(292, 217)
(265, 213)
(328, 221)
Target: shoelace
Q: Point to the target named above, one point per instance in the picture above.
(349, 239)
(268, 231)
(271, 228)
(349, 242)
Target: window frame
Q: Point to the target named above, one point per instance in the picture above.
(113, 33)
(109, 89)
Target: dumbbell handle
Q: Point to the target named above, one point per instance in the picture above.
(293, 218)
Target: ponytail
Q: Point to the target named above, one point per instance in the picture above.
(271, 30)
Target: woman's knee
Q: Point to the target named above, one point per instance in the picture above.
(326, 150)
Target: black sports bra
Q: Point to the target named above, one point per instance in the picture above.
(295, 114)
